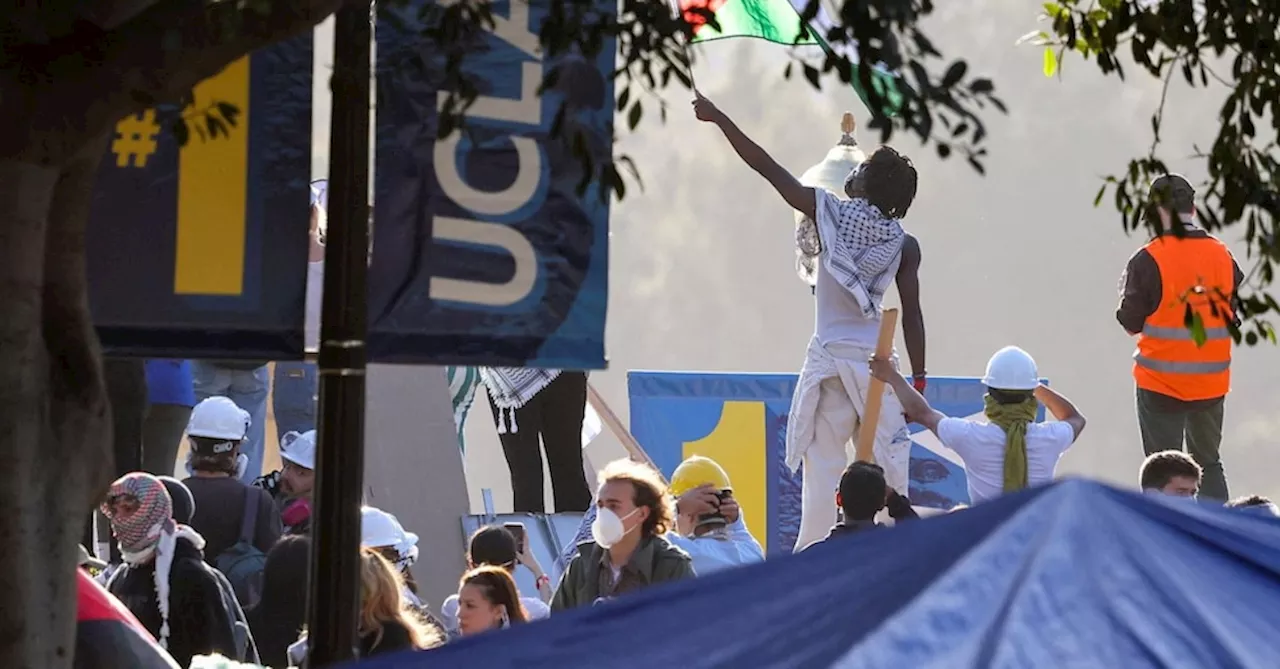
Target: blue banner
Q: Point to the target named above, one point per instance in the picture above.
(483, 252)
(201, 251)
(740, 420)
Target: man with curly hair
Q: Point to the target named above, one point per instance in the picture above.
(858, 247)
(629, 550)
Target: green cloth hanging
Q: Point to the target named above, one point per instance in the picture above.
(1013, 419)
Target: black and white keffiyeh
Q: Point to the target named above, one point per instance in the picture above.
(857, 244)
(511, 388)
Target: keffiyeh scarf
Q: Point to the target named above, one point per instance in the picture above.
(139, 533)
(858, 245)
(463, 382)
(511, 388)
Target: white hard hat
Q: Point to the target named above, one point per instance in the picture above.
(218, 418)
(1011, 368)
(299, 448)
(379, 529)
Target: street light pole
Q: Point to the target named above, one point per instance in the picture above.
(335, 551)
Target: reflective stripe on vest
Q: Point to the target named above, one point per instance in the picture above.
(1199, 273)
(1166, 367)
(1184, 333)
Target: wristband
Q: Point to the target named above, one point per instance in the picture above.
(919, 382)
(540, 580)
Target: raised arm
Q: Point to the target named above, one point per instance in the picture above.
(1061, 408)
(913, 403)
(912, 315)
(800, 197)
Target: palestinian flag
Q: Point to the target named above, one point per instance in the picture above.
(779, 21)
(108, 636)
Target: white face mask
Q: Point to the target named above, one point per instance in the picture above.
(607, 528)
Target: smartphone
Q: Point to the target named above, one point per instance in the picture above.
(517, 531)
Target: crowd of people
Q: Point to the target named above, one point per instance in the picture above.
(217, 562)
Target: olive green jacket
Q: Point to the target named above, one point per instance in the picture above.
(588, 578)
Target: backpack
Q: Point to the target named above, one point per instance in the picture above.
(246, 647)
(243, 563)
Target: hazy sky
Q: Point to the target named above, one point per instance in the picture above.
(702, 273)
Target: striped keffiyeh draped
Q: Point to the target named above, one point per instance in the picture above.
(511, 388)
(463, 382)
(859, 246)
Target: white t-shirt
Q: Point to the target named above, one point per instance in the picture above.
(981, 445)
(837, 316)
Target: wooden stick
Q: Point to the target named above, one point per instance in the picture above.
(875, 392)
(619, 430)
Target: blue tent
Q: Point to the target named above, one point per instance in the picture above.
(1075, 574)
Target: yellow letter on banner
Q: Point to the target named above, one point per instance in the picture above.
(212, 192)
(738, 445)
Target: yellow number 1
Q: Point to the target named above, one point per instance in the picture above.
(212, 192)
(738, 445)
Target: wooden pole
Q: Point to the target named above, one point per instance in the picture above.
(875, 392)
(611, 421)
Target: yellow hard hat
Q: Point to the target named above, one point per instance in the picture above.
(697, 471)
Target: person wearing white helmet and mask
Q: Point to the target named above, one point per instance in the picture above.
(291, 485)
(227, 512)
(1008, 451)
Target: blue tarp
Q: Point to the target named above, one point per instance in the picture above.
(1075, 574)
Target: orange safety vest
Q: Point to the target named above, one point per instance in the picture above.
(1198, 271)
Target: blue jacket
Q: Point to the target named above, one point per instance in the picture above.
(170, 382)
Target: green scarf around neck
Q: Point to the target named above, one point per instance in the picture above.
(1013, 419)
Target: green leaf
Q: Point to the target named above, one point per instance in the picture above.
(1034, 38)
(229, 112)
(954, 74)
(1050, 62)
(633, 117)
(1052, 9)
(1197, 329)
(181, 132)
(811, 73)
(980, 86)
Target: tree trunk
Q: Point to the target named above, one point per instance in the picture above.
(54, 422)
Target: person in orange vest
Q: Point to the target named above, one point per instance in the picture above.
(1182, 273)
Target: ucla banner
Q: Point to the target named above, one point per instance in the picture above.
(201, 250)
(740, 421)
(484, 253)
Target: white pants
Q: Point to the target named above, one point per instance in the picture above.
(831, 451)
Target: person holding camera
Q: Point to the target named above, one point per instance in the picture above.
(709, 524)
(505, 547)
(862, 493)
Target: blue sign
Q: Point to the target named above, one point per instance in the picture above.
(740, 420)
(484, 253)
(201, 251)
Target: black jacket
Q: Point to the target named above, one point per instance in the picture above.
(199, 622)
(844, 529)
(899, 509)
